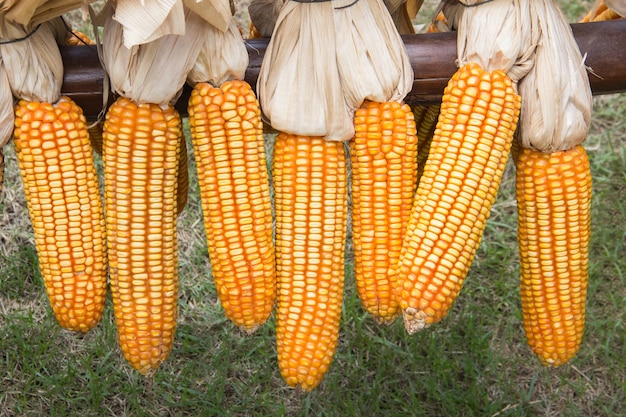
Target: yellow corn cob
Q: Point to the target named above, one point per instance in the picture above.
(479, 114)
(63, 197)
(384, 178)
(553, 201)
(227, 135)
(140, 153)
(426, 122)
(95, 136)
(309, 176)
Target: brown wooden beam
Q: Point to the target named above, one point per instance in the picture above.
(432, 57)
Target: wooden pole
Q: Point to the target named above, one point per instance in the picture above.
(432, 58)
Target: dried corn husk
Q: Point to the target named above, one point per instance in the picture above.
(223, 57)
(556, 95)
(373, 63)
(156, 19)
(498, 35)
(154, 72)
(413, 7)
(398, 9)
(263, 15)
(299, 86)
(321, 64)
(7, 115)
(33, 64)
(148, 20)
(618, 6)
(34, 12)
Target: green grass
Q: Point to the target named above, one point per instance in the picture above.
(474, 363)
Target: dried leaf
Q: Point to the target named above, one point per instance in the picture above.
(34, 12)
(619, 6)
(223, 57)
(324, 60)
(556, 95)
(299, 86)
(498, 35)
(215, 12)
(373, 63)
(147, 20)
(33, 65)
(153, 72)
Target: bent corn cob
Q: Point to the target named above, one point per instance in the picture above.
(471, 145)
(140, 154)
(63, 198)
(384, 179)
(227, 135)
(553, 200)
(311, 208)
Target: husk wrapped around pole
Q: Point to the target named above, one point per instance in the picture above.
(321, 64)
(33, 64)
(31, 67)
(152, 72)
(223, 57)
(556, 95)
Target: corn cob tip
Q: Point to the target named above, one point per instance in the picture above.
(414, 320)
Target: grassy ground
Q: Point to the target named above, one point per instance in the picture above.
(474, 363)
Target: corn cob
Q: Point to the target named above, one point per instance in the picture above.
(95, 136)
(140, 154)
(553, 200)
(426, 122)
(309, 175)
(384, 178)
(63, 198)
(227, 135)
(479, 113)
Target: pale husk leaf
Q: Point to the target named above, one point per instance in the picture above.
(556, 95)
(147, 20)
(371, 57)
(498, 35)
(299, 86)
(263, 15)
(34, 12)
(7, 115)
(215, 12)
(619, 6)
(34, 65)
(223, 57)
(154, 72)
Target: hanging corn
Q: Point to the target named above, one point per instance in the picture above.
(554, 191)
(56, 162)
(470, 147)
(227, 135)
(340, 77)
(142, 141)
